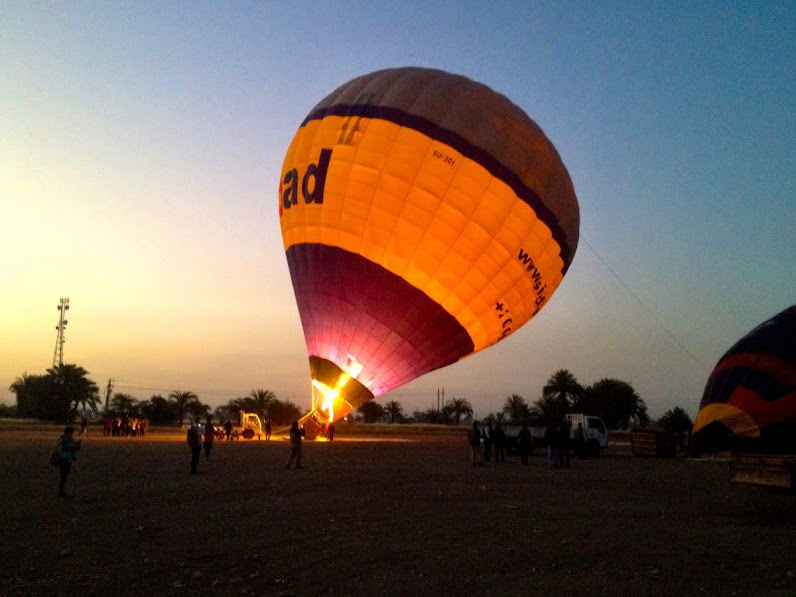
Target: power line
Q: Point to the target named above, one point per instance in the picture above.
(644, 306)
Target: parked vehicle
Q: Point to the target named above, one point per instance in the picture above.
(248, 426)
(594, 433)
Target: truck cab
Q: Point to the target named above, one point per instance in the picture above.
(248, 426)
(594, 432)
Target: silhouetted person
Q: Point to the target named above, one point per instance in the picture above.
(580, 442)
(524, 444)
(194, 438)
(487, 435)
(210, 434)
(563, 444)
(295, 444)
(268, 428)
(499, 443)
(474, 441)
(330, 432)
(228, 429)
(551, 438)
(67, 447)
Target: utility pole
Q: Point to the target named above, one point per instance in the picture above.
(58, 353)
(108, 391)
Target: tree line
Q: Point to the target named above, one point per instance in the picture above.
(66, 390)
(614, 401)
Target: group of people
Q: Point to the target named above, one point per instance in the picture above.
(488, 443)
(125, 426)
(201, 436)
(494, 440)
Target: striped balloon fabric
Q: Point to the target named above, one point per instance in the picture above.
(425, 217)
(749, 402)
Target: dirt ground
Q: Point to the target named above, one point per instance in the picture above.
(408, 516)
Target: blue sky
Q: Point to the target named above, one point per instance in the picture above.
(142, 144)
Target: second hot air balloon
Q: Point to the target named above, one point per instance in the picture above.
(425, 217)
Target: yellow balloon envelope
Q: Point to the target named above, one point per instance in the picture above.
(425, 217)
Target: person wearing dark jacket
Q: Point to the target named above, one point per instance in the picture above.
(296, 434)
(487, 435)
(194, 438)
(524, 444)
(499, 443)
(474, 441)
(563, 444)
(67, 447)
(210, 433)
(551, 439)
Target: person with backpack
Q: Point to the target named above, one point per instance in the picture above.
(66, 449)
(194, 439)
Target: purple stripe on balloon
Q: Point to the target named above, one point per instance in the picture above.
(352, 306)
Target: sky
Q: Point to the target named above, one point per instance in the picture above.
(140, 153)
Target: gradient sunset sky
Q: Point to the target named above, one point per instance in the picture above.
(141, 145)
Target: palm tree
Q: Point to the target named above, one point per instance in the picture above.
(182, 401)
(371, 411)
(394, 409)
(516, 409)
(28, 391)
(263, 399)
(548, 409)
(459, 407)
(618, 404)
(676, 419)
(73, 389)
(123, 403)
(564, 388)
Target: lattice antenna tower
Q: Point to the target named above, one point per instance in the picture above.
(60, 338)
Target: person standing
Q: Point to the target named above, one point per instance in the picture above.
(267, 428)
(210, 434)
(580, 442)
(487, 435)
(551, 438)
(524, 444)
(474, 441)
(563, 444)
(330, 432)
(296, 433)
(194, 439)
(228, 429)
(67, 447)
(499, 443)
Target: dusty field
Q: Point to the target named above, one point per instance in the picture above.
(405, 517)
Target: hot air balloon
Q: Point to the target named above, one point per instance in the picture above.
(750, 397)
(425, 217)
